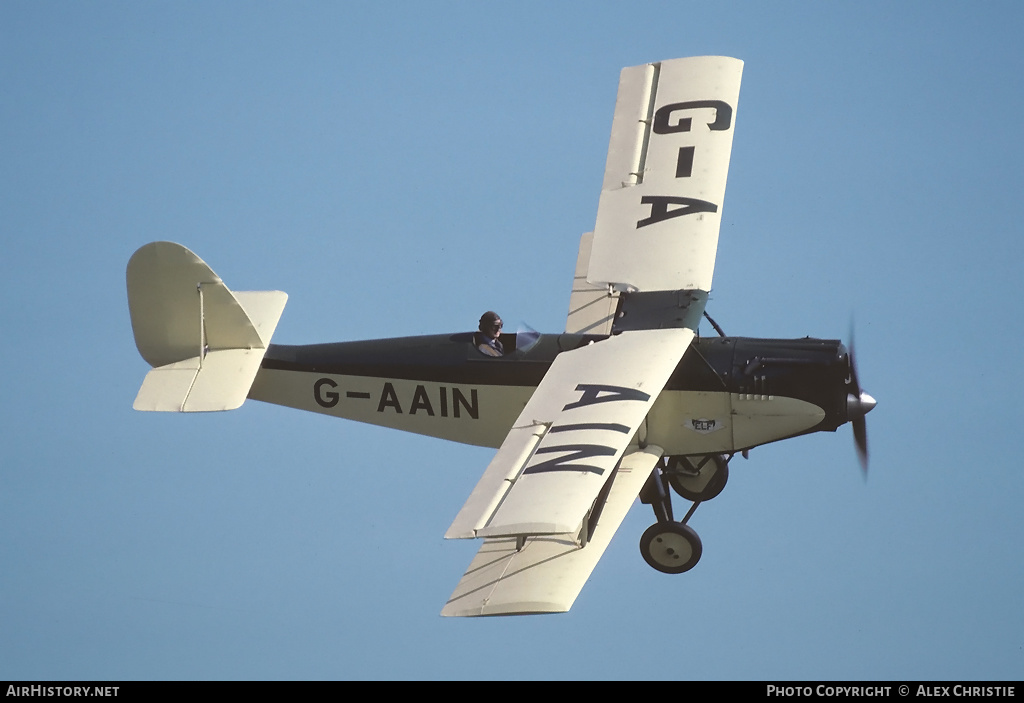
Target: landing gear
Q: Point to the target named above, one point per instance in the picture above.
(669, 546)
(698, 480)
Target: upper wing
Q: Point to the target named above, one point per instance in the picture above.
(664, 183)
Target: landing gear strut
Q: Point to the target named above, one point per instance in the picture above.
(669, 546)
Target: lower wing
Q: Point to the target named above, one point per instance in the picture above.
(565, 475)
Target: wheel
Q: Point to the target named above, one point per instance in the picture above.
(705, 484)
(671, 547)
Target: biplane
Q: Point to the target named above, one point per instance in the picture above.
(629, 401)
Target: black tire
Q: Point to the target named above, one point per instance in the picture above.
(671, 547)
(707, 484)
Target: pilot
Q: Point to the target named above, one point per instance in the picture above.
(486, 340)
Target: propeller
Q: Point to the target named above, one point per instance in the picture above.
(858, 404)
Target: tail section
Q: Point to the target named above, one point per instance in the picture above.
(204, 342)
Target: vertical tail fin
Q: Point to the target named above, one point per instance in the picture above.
(204, 341)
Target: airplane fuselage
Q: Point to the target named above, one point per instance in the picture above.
(726, 394)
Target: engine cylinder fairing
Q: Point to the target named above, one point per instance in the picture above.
(813, 370)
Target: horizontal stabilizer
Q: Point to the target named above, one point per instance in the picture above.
(218, 381)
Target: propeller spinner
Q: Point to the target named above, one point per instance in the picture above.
(858, 404)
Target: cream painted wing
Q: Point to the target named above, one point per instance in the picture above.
(568, 439)
(546, 574)
(555, 482)
(664, 185)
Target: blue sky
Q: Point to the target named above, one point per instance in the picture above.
(398, 168)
